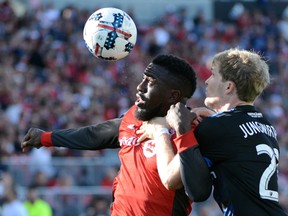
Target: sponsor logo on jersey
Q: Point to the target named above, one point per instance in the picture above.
(131, 127)
(129, 141)
(148, 145)
(255, 114)
(149, 149)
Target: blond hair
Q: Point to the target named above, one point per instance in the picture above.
(247, 69)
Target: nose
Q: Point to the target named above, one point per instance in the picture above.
(142, 86)
(207, 80)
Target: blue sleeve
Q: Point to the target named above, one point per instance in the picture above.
(195, 174)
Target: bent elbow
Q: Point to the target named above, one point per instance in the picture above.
(172, 185)
(168, 187)
(200, 195)
(167, 184)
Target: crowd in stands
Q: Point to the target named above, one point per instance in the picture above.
(49, 80)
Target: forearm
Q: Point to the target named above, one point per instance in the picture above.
(195, 175)
(168, 163)
(194, 171)
(94, 137)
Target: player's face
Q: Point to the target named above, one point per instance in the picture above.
(152, 94)
(215, 89)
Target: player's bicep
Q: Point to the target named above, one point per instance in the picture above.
(175, 178)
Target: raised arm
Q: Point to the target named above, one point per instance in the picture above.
(185, 167)
(93, 137)
(168, 163)
(194, 171)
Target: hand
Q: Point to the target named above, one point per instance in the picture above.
(203, 112)
(148, 129)
(32, 139)
(180, 118)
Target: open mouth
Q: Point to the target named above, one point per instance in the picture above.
(139, 101)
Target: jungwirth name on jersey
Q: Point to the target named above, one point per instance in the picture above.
(252, 128)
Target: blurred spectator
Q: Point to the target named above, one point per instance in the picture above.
(110, 174)
(41, 160)
(49, 79)
(99, 206)
(2, 184)
(35, 205)
(40, 179)
(12, 206)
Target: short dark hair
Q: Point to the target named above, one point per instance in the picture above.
(181, 69)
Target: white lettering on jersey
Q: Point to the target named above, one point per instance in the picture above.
(251, 128)
(148, 146)
(131, 126)
(255, 114)
(129, 141)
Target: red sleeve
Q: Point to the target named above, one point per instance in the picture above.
(185, 141)
(46, 139)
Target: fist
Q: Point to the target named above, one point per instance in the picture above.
(180, 118)
(32, 139)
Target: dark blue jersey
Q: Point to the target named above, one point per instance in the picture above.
(242, 151)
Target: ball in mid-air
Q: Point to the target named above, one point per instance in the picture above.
(110, 34)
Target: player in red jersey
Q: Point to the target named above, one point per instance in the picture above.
(138, 190)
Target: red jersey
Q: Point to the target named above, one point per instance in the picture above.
(138, 190)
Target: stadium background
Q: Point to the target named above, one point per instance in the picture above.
(48, 79)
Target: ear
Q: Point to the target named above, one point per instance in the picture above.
(230, 87)
(175, 96)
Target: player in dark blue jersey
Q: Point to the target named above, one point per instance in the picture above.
(238, 143)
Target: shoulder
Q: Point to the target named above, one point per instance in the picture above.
(130, 111)
(227, 113)
(215, 123)
(129, 115)
(213, 118)
(220, 116)
(43, 205)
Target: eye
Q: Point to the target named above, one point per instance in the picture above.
(145, 78)
(149, 79)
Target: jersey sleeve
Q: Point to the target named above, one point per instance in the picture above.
(194, 171)
(195, 174)
(94, 137)
(185, 141)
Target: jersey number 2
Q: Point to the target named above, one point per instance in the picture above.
(265, 193)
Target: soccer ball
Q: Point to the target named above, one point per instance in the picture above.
(110, 34)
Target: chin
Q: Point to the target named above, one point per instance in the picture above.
(209, 103)
(206, 102)
(214, 104)
(145, 115)
(141, 114)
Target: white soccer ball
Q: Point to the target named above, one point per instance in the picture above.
(110, 34)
